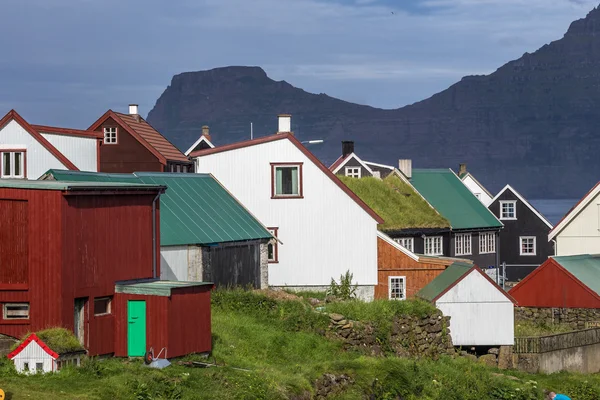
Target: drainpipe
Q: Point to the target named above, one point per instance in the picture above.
(498, 258)
(555, 246)
(154, 260)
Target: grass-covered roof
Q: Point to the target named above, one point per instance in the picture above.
(396, 202)
(59, 340)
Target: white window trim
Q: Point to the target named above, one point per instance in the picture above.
(11, 173)
(521, 246)
(108, 308)
(406, 240)
(15, 304)
(441, 238)
(353, 172)
(390, 287)
(105, 131)
(487, 249)
(514, 203)
(462, 244)
(273, 231)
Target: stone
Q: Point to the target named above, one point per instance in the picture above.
(470, 357)
(347, 325)
(336, 317)
(342, 322)
(345, 333)
(505, 357)
(493, 350)
(489, 360)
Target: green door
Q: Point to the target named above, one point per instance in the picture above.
(136, 328)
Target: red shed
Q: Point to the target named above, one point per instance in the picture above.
(562, 282)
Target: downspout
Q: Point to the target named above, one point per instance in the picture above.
(498, 258)
(555, 246)
(154, 258)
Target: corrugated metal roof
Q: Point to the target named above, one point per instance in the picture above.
(155, 288)
(444, 280)
(448, 194)
(585, 267)
(195, 209)
(83, 184)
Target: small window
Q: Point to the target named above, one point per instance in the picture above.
(353, 172)
(102, 305)
(487, 242)
(433, 245)
(39, 367)
(397, 287)
(16, 311)
(527, 245)
(287, 180)
(13, 164)
(110, 135)
(273, 247)
(26, 366)
(462, 244)
(407, 243)
(508, 209)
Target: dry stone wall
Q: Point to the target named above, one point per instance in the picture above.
(574, 317)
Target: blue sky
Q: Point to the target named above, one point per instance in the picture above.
(65, 62)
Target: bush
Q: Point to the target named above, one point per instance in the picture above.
(344, 290)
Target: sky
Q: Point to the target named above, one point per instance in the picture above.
(65, 62)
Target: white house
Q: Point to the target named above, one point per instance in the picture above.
(578, 232)
(323, 228)
(481, 313)
(34, 356)
(474, 185)
(28, 151)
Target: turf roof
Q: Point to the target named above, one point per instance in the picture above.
(59, 340)
(400, 206)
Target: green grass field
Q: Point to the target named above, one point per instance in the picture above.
(272, 350)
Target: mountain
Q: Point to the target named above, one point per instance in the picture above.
(533, 123)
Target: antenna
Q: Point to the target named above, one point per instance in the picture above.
(251, 131)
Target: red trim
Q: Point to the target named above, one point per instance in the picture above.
(305, 151)
(13, 115)
(32, 338)
(338, 162)
(14, 286)
(66, 131)
(573, 208)
(476, 268)
(300, 194)
(276, 246)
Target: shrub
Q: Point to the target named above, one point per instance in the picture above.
(345, 290)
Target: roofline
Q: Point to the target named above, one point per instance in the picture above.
(476, 181)
(357, 158)
(476, 268)
(13, 115)
(68, 131)
(380, 165)
(523, 200)
(33, 338)
(305, 151)
(574, 211)
(339, 160)
(197, 142)
(396, 245)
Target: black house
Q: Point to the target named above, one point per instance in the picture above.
(524, 241)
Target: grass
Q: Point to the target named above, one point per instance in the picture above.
(528, 328)
(276, 358)
(396, 202)
(60, 340)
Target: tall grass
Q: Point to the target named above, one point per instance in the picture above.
(529, 328)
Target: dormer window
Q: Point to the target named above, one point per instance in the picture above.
(508, 209)
(13, 164)
(286, 180)
(353, 172)
(110, 135)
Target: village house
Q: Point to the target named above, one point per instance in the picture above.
(578, 232)
(206, 234)
(97, 271)
(474, 185)
(323, 228)
(131, 144)
(27, 151)
(523, 240)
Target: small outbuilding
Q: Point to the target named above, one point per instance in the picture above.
(481, 312)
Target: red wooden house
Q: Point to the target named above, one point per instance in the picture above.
(68, 246)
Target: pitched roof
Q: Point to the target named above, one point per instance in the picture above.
(347, 158)
(584, 267)
(397, 202)
(195, 209)
(574, 211)
(32, 338)
(468, 174)
(452, 199)
(524, 201)
(201, 139)
(13, 115)
(305, 151)
(68, 132)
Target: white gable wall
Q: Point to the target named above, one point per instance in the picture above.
(323, 235)
(480, 315)
(38, 158)
(81, 151)
(582, 234)
(33, 354)
(474, 187)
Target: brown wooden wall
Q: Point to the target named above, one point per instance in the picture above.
(14, 252)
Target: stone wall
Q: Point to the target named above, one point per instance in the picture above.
(6, 342)
(574, 317)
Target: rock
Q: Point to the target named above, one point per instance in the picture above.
(470, 357)
(342, 322)
(493, 350)
(489, 360)
(345, 333)
(336, 317)
(505, 357)
(314, 302)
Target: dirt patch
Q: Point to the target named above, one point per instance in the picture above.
(278, 294)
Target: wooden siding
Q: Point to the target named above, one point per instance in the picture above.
(14, 252)
(353, 162)
(582, 234)
(474, 187)
(81, 151)
(233, 266)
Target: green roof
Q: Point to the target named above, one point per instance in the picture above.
(444, 280)
(400, 206)
(451, 198)
(84, 184)
(155, 288)
(585, 267)
(195, 209)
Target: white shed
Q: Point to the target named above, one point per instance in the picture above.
(34, 356)
(481, 312)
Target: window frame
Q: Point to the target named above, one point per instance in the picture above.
(403, 240)
(403, 279)
(466, 246)
(514, 205)
(521, 238)
(274, 167)
(275, 232)
(433, 238)
(357, 172)
(108, 307)
(484, 245)
(23, 164)
(4, 312)
(116, 132)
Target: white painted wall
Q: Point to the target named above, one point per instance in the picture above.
(33, 354)
(480, 315)
(324, 234)
(476, 189)
(582, 234)
(81, 151)
(181, 263)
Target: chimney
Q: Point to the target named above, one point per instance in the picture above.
(133, 109)
(206, 132)
(347, 147)
(462, 169)
(285, 123)
(405, 166)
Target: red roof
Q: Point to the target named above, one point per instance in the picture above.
(32, 338)
(67, 131)
(307, 153)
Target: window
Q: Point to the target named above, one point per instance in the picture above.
(287, 180)
(527, 245)
(26, 366)
(487, 242)
(272, 247)
(508, 209)
(433, 245)
(397, 287)
(39, 367)
(102, 305)
(13, 164)
(110, 135)
(16, 311)
(407, 243)
(462, 244)
(353, 172)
